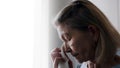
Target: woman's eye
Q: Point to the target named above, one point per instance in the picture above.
(67, 37)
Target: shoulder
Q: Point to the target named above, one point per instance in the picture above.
(116, 66)
(117, 59)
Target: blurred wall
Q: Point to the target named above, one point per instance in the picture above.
(111, 9)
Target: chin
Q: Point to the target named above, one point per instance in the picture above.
(81, 60)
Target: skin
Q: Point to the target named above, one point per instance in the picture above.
(81, 45)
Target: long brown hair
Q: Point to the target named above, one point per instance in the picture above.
(81, 13)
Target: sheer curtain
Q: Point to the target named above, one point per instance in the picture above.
(41, 34)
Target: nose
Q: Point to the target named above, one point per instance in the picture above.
(66, 48)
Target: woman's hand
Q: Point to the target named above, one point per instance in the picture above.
(91, 64)
(56, 57)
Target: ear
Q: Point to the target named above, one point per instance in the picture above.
(94, 32)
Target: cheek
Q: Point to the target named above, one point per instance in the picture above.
(77, 42)
(80, 45)
(76, 45)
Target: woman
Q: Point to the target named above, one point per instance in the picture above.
(88, 35)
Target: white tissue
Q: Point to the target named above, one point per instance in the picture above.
(84, 65)
(63, 64)
(75, 63)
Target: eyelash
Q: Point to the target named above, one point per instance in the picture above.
(66, 38)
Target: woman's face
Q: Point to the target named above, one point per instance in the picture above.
(80, 44)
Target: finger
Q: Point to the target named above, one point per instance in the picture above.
(55, 54)
(90, 64)
(94, 65)
(56, 50)
(58, 60)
